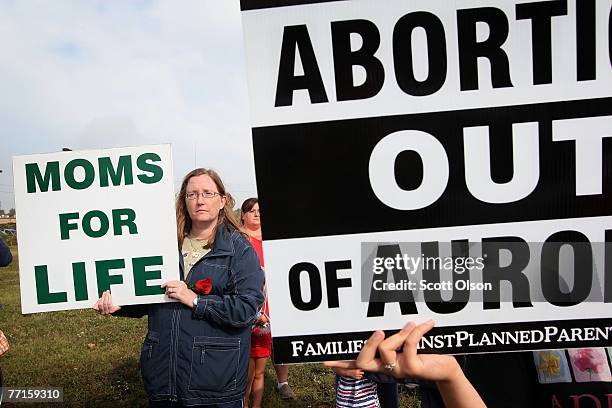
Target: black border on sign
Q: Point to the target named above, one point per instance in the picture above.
(262, 4)
(283, 355)
(289, 157)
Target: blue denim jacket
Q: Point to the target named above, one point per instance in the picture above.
(201, 355)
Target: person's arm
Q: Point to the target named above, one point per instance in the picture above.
(136, 311)
(459, 392)
(239, 309)
(105, 306)
(5, 254)
(355, 373)
(456, 390)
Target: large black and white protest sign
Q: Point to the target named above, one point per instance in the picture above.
(388, 133)
(90, 221)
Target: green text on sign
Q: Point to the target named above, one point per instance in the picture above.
(80, 174)
(104, 279)
(121, 217)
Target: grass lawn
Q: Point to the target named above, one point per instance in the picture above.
(96, 358)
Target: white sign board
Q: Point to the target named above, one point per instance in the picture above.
(478, 129)
(88, 221)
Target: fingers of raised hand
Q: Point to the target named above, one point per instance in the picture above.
(367, 357)
(388, 349)
(415, 336)
(397, 340)
(410, 363)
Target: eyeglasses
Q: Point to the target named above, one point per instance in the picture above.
(205, 194)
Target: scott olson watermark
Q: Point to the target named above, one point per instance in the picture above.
(423, 285)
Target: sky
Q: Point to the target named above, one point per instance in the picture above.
(95, 74)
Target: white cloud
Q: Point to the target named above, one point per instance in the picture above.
(96, 74)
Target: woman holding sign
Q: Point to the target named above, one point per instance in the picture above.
(196, 352)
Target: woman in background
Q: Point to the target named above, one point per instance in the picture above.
(250, 209)
(261, 338)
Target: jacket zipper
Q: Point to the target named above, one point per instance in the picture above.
(173, 355)
(175, 330)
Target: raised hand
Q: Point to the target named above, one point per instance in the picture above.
(454, 387)
(433, 367)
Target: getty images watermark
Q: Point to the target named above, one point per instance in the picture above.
(411, 265)
(561, 273)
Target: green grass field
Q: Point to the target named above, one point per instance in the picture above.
(95, 358)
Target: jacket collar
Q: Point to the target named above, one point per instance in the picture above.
(223, 244)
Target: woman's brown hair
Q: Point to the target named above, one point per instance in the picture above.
(183, 221)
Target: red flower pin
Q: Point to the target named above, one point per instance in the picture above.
(203, 286)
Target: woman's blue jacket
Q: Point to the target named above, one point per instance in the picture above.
(201, 356)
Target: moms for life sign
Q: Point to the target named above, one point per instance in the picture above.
(89, 221)
(477, 134)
